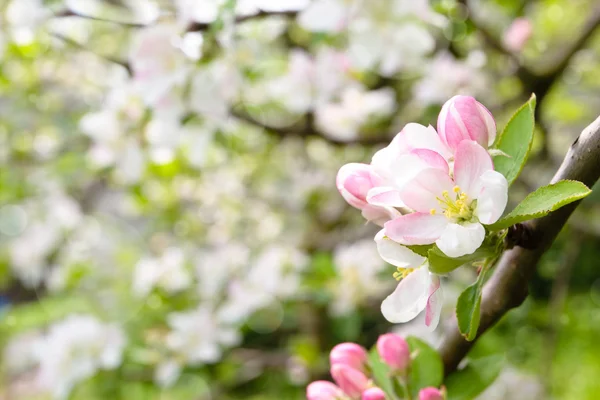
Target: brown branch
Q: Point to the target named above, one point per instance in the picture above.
(307, 130)
(71, 13)
(203, 26)
(508, 286)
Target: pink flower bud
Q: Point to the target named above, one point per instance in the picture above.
(354, 181)
(349, 354)
(394, 351)
(323, 390)
(517, 34)
(431, 393)
(373, 393)
(350, 380)
(464, 118)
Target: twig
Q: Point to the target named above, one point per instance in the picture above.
(203, 26)
(71, 13)
(507, 288)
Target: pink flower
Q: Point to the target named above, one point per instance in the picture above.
(373, 393)
(354, 181)
(323, 390)
(350, 380)
(517, 34)
(418, 289)
(431, 393)
(464, 118)
(350, 354)
(450, 211)
(394, 350)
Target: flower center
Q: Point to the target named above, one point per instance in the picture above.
(457, 207)
(402, 273)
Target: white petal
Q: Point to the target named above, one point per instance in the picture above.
(459, 240)
(409, 298)
(396, 254)
(470, 163)
(384, 196)
(492, 198)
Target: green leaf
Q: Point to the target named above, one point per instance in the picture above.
(421, 249)
(426, 368)
(468, 306)
(381, 374)
(543, 201)
(440, 263)
(469, 382)
(515, 141)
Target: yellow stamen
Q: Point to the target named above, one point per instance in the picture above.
(456, 189)
(402, 273)
(432, 211)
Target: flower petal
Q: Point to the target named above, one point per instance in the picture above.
(416, 228)
(459, 240)
(470, 163)
(396, 254)
(421, 192)
(492, 198)
(432, 159)
(384, 196)
(409, 298)
(489, 121)
(379, 215)
(417, 136)
(433, 309)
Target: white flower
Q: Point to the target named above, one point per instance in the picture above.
(75, 349)
(167, 272)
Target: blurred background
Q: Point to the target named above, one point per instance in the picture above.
(169, 222)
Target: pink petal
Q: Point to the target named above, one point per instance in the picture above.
(434, 303)
(416, 228)
(384, 196)
(459, 240)
(492, 198)
(379, 215)
(354, 180)
(432, 159)
(470, 163)
(490, 123)
(416, 136)
(421, 193)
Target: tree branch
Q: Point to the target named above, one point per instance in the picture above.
(203, 26)
(71, 13)
(508, 286)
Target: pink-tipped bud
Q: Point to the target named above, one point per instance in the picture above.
(464, 118)
(354, 181)
(349, 354)
(323, 390)
(352, 381)
(517, 34)
(394, 351)
(373, 393)
(431, 393)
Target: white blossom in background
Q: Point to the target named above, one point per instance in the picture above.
(167, 272)
(74, 349)
(329, 16)
(24, 17)
(343, 120)
(358, 268)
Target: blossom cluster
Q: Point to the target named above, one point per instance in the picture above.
(351, 372)
(429, 187)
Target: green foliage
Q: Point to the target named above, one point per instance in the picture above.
(440, 263)
(515, 141)
(474, 378)
(426, 368)
(543, 201)
(381, 374)
(469, 304)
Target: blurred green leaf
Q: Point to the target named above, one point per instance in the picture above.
(543, 201)
(426, 368)
(381, 374)
(473, 379)
(515, 140)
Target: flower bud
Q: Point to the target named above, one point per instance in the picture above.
(354, 181)
(517, 34)
(373, 393)
(350, 380)
(394, 351)
(349, 354)
(323, 390)
(464, 118)
(431, 393)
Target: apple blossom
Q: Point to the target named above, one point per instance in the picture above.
(394, 350)
(464, 118)
(354, 181)
(350, 380)
(517, 34)
(431, 393)
(350, 354)
(451, 211)
(418, 288)
(323, 390)
(373, 393)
